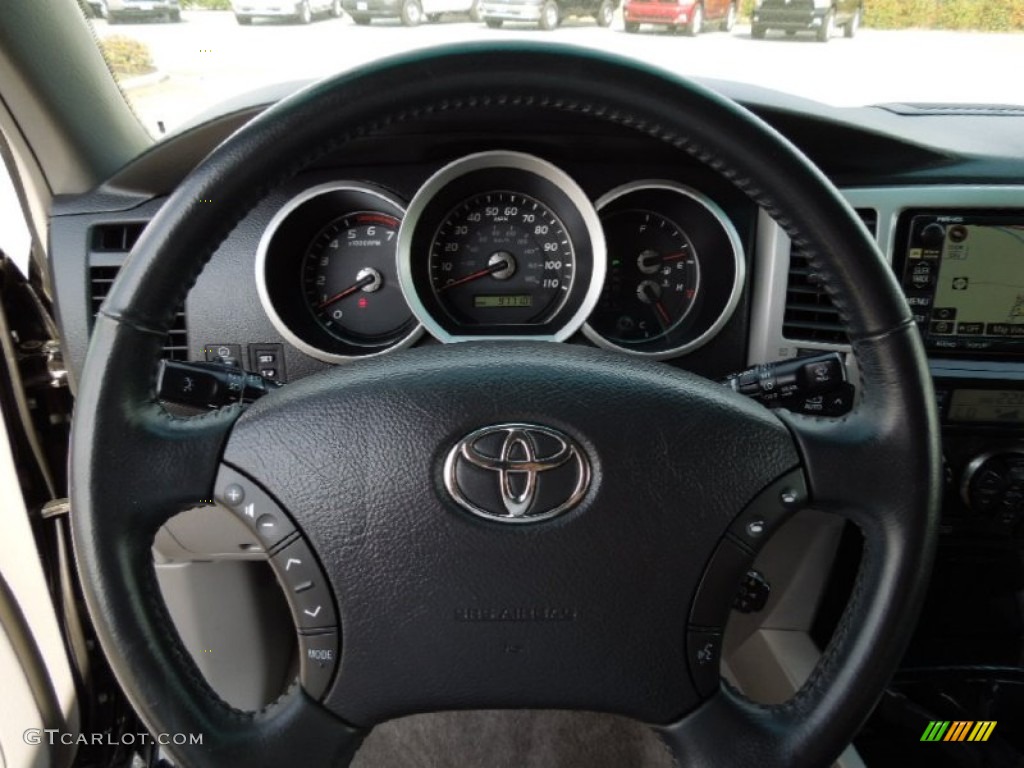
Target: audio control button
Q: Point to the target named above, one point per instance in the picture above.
(305, 586)
(253, 506)
(318, 659)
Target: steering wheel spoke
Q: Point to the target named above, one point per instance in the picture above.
(878, 465)
(145, 463)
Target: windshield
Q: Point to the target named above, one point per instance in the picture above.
(177, 60)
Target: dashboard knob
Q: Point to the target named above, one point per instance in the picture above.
(993, 484)
(933, 235)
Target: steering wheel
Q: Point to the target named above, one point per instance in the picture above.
(615, 606)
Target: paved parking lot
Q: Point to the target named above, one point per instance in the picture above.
(209, 57)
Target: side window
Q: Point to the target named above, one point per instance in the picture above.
(15, 240)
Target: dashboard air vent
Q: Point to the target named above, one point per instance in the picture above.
(810, 315)
(176, 343)
(116, 238)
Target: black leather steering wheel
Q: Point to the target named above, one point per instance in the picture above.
(608, 597)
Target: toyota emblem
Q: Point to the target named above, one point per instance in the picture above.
(517, 473)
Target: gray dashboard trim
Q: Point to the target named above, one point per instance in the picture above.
(771, 258)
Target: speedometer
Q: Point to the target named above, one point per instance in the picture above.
(501, 258)
(501, 245)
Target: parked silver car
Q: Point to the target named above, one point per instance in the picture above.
(301, 11)
(119, 11)
(410, 12)
(547, 14)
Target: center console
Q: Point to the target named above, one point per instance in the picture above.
(958, 255)
(962, 271)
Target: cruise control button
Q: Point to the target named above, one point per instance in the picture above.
(318, 658)
(253, 506)
(704, 650)
(305, 586)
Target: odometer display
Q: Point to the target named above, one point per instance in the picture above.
(525, 300)
(501, 258)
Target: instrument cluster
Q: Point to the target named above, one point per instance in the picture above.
(499, 245)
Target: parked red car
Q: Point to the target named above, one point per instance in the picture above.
(687, 16)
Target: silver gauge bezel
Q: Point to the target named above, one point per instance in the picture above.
(740, 272)
(261, 273)
(496, 160)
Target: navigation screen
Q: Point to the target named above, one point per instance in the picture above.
(981, 280)
(964, 278)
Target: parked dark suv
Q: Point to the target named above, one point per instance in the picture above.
(822, 17)
(546, 14)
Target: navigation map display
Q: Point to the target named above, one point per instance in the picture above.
(964, 278)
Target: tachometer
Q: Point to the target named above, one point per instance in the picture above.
(326, 274)
(350, 283)
(501, 245)
(501, 258)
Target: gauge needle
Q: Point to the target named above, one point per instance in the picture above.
(348, 291)
(674, 256)
(496, 267)
(655, 301)
(649, 260)
(662, 313)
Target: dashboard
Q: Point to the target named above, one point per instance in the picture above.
(582, 234)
